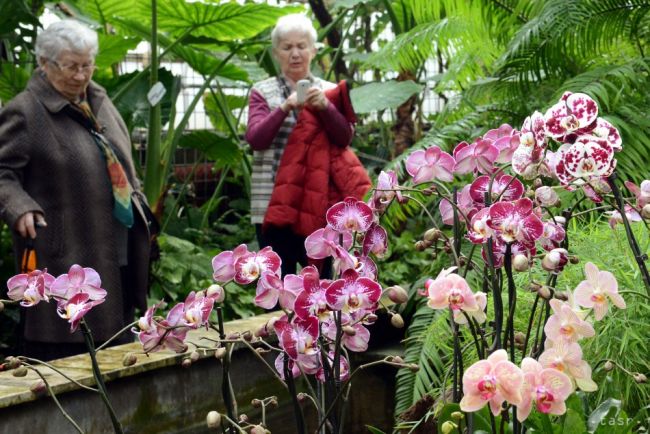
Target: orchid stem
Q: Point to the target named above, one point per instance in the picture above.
(115, 336)
(226, 385)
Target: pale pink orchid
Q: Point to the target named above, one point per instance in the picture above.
(478, 315)
(597, 291)
(572, 112)
(449, 290)
(30, 288)
(299, 337)
(615, 217)
(223, 264)
(477, 157)
(375, 241)
(76, 307)
(78, 280)
(465, 204)
(548, 388)
(641, 193)
(430, 164)
(386, 190)
(344, 368)
(515, 221)
(350, 215)
(353, 293)
(566, 357)
(323, 242)
(250, 266)
(312, 300)
(565, 324)
(504, 188)
(492, 382)
(479, 231)
(546, 196)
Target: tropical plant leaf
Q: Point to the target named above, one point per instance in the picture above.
(113, 48)
(380, 96)
(13, 80)
(103, 11)
(217, 147)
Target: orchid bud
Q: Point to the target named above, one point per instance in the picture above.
(420, 246)
(12, 362)
(38, 387)
(520, 338)
(534, 286)
(220, 353)
(349, 330)
(555, 260)
(608, 366)
(213, 419)
(395, 359)
(544, 292)
(432, 234)
(129, 359)
(247, 335)
(233, 336)
(371, 318)
(546, 196)
(447, 248)
(194, 356)
(243, 418)
(520, 263)
(559, 220)
(640, 378)
(574, 259)
(448, 427)
(397, 294)
(273, 402)
(457, 415)
(20, 371)
(301, 397)
(462, 261)
(259, 429)
(215, 292)
(397, 321)
(2, 306)
(414, 367)
(562, 296)
(256, 403)
(186, 362)
(645, 211)
(537, 183)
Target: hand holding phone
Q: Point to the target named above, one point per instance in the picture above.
(302, 86)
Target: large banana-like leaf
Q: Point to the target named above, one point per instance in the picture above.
(226, 21)
(103, 11)
(113, 48)
(221, 149)
(380, 96)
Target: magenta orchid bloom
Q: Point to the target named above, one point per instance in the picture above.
(299, 337)
(366, 267)
(641, 193)
(465, 204)
(565, 325)
(479, 231)
(323, 242)
(595, 292)
(76, 307)
(548, 388)
(492, 382)
(477, 157)
(78, 280)
(432, 163)
(196, 310)
(499, 251)
(309, 365)
(375, 241)
(504, 188)
(515, 221)
(269, 287)
(566, 357)
(344, 367)
(223, 264)
(312, 300)
(615, 217)
(532, 143)
(30, 288)
(351, 215)
(552, 236)
(353, 293)
(250, 266)
(386, 190)
(574, 111)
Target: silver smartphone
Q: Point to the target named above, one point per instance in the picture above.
(302, 86)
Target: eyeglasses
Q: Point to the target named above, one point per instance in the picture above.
(71, 69)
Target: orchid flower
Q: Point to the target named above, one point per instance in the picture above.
(492, 382)
(572, 112)
(432, 163)
(250, 266)
(504, 188)
(566, 357)
(312, 300)
(323, 242)
(565, 324)
(76, 307)
(350, 215)
(515, 221)
(641, 193)
(356, 339)
(344, 367)
(387, 189)
(552, 236)
(30, 288)
(615, 216)
(78, 280)
(156, 336)
(548, 388)
(465, 204)
(477, 157)
(223, 264)
(353, 293)
(452, 291)
(375, 241)
(506, 140)
(546, 196)
(597, 291)
(298, 337)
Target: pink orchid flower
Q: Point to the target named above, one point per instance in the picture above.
(298, 337)
(309, 365)
(353, 293)
(355, 339)
(477, 157)
(269, 287)
(641, 193)
(375, 241)
(492, 382)
(223, 264)
(465, 204)
(30, 288)
(572, 112)
(344, 369)
(546, 196)
(515, 221)
(506, 139)
(432, 163)
(156, 336)
(566, 357)
(595, 292)
(479, 231)
(78, 280)
(504, 188)
(250, 266)
(450, 290)
(76, 307)
(548, 388)
(194, 312)
(552, 236)
(366, 267)
(323, 242)
(350, 215)
(499, 251)
(312, 300)
(565, 324)
(478, 315)
(615, 217)
(386, 190)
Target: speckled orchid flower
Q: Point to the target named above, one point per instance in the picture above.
(572, 112)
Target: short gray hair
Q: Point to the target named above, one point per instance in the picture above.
(64, 35)
(293, 23)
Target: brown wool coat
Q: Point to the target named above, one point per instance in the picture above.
(50, 163)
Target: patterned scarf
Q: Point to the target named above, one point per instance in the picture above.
(122, 208)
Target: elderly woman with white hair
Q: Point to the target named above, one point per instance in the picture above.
(274, 109)
(67, 189)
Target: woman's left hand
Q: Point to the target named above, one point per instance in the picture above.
(316, 99)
